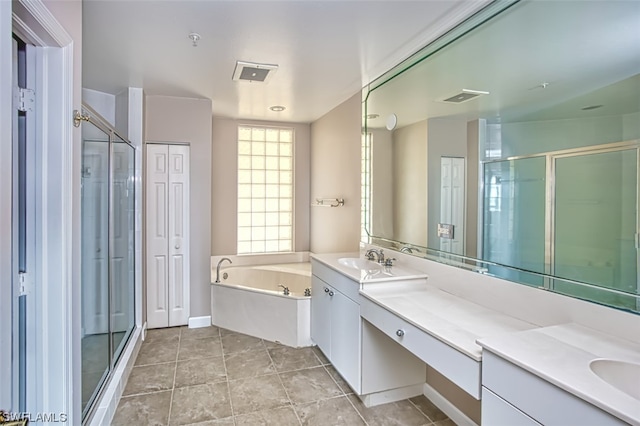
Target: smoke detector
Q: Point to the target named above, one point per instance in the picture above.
(465, 95)
(253, 72)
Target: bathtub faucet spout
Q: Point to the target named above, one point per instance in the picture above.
(285, 290)
(218, 268)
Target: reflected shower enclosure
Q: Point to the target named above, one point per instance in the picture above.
(107, 203)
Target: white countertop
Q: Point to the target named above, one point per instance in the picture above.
(376, 274)
(561, 355)
(455, 321)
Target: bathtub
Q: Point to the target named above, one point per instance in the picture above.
(248, 300)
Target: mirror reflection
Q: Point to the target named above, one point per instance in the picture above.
(517, 144)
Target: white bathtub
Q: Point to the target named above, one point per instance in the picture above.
(248, 300)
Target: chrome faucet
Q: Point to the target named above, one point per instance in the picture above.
(407, 249)
(218, 268)
(379, 255)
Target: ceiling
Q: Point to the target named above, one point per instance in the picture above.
(326, 50)
(587, 53)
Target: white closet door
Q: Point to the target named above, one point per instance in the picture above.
(452, 204)
(178, 235)
(157, 236)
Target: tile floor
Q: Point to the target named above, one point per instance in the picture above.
(212, 376)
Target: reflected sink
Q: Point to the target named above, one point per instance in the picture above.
(360, 264)
(624, 376)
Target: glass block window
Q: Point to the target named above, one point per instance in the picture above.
(265, 189)
(365, 187)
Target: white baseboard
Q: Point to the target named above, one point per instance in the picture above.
(198, 322)
(454, 413)
(144, 331)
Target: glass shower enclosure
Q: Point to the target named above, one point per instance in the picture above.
(567, 221)
(108, 207)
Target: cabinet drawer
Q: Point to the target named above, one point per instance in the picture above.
(344, 285)
(456, 366)
(498, 412)
(539, 399)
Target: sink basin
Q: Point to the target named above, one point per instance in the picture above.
(624, 376)
(360, 264)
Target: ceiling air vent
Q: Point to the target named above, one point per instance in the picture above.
(464, 96)
(249, 71)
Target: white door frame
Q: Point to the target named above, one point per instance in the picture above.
(57, 299)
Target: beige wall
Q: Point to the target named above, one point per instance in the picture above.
(224, 188)
(381, 183)
(173, 119)
(335, 173)
(455, 395)
(410, 183)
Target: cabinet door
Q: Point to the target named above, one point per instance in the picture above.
(345, 338)
(321, 315)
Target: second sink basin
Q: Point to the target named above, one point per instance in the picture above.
(624, 376)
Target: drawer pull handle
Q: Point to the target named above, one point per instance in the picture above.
(331, 293)
(400, 332)
(326, 290)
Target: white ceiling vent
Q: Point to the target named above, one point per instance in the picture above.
(250, 71)
(465, 95)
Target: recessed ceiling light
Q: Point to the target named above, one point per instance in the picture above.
(372, 116)
(590, 107)
(277, 108)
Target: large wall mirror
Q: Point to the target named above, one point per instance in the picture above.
(511, 146)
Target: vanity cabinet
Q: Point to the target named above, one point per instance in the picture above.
(377, 369)
(335, 322)
(335, 327)
(512, 396)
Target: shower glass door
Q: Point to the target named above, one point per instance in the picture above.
(122, 245)
(596, 224)
(570, 218)
(514, 218)
(95, 262)
(108, 212)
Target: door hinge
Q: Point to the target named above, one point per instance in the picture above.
(25, 283)
(24, 99)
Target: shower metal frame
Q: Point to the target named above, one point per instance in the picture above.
(89, 115)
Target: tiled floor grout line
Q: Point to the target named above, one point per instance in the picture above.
(431, 422)
(285, 359)
(346, 396)
(226, 374)
(283, 386)
(175, 372)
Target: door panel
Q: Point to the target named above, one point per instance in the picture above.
(178, 230)
(157, 231)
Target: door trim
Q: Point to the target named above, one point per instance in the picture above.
(58, 329)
